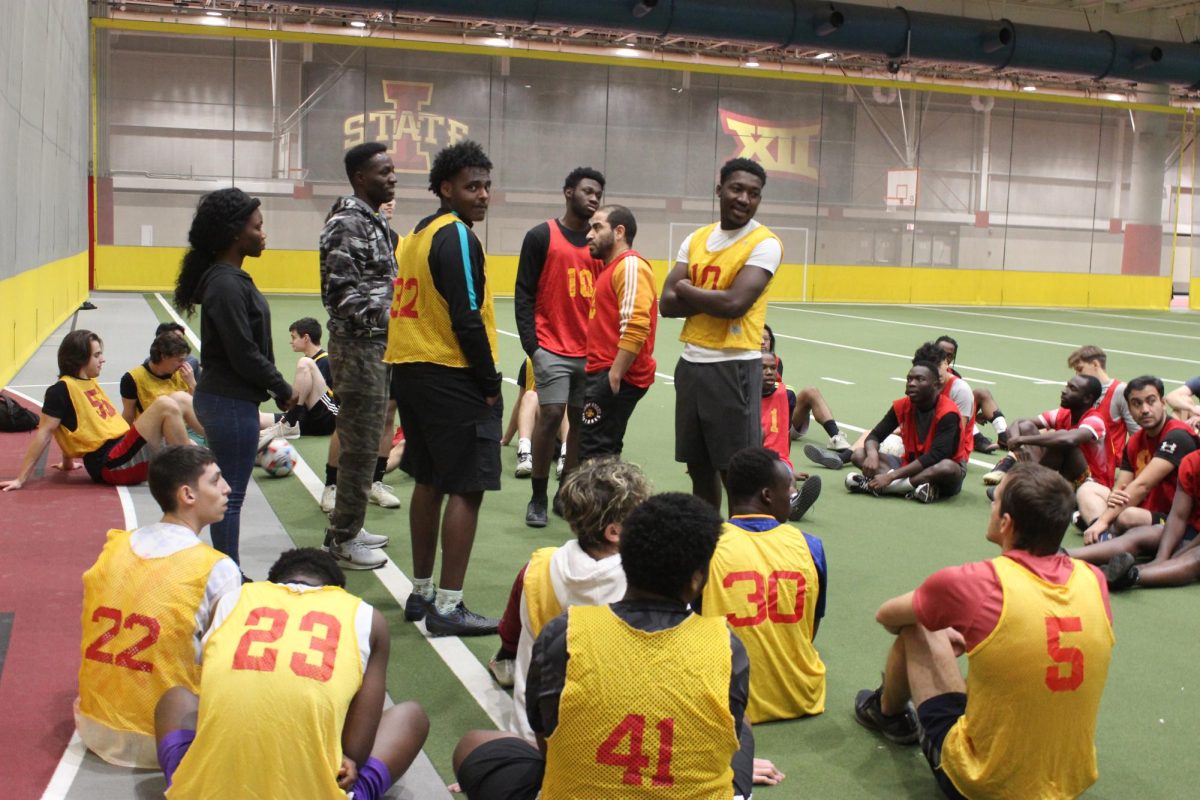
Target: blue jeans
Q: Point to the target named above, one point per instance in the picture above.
(232, 430)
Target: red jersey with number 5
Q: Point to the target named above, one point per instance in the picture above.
(1033, 690)
(279, 674)
(564, 295)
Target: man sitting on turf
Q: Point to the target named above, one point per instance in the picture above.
(774, 418)
(596, 499)
(1177, 562)
(165, 374)
(767, 579)
(1185, 401)
(146, 602)
(1037, 630)
(1119, 424)
(78, 415)
(930, 431)
(1145, 481)
(986, 408)
(605, 728)
(1069, 439)
(293, 687)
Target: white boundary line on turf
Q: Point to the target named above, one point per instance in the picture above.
(837, 380)
(1051, 342)
(1193, 320)
(462, 662)
(1107, 328)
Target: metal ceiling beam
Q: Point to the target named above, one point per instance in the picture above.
(894, 33)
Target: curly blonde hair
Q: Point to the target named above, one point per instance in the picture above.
(597, 494)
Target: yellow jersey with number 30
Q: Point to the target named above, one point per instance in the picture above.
(419, 329)
(716, 270)
(279, 675)
(669, 736)
(1033, 691)
(765, 585)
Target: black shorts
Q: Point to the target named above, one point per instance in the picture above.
(717, 410)
(952, 486)
(606, 415)
(320, 420)
(452, 436)
(936, 716)
(502, 769)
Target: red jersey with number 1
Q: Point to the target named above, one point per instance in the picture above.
(564, 295)
(775, 427)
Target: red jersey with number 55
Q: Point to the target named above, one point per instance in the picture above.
(564, 295)
(279, 674)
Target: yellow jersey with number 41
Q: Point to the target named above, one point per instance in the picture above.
(279, 674)
(716, 270)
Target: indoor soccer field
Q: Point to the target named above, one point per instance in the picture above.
(877, 547)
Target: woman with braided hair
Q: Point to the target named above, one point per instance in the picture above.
(235, 341)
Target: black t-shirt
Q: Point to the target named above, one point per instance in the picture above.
(57, 403)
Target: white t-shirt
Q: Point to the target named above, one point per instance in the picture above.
(767, 255)
(362, 618)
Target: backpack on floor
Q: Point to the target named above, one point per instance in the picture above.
(14, 417)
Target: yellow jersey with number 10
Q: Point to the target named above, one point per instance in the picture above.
(670, 736)
(419, 330)
(716, 270)
(1033, 691)
(279, 675)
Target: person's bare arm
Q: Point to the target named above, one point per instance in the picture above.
(730, 303)
(366, 709)
(1183, 400)
(897, 613)
(1129, 494)
(128, 409)
(37, 445)
(1072, 438)
(671, 304)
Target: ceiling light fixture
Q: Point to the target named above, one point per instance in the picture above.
(751, 62)
(357, 23)
(213, 13)
(1028, 88)
(823, 56)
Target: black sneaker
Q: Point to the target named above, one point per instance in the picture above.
(994, 477)
(925, 493)
(557, 505)
(1120, 572)
(1002, 439)
(829, 459)
(535, 513)
(982, 444)
(857, 483)
(802, 501)
(991, 493)
(899, 728)
(416, 607)
(459, 622)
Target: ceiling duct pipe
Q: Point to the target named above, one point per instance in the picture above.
(841, 27)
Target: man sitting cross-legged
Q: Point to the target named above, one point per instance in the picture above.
(1069, 439)
(930, 432)
(1177, 561)
(1119, 424)
(1037, 631)
(635, 698)
(805, 488)
(293, 691)
(767, 579)
(166, 373)
(146, 602)
(596, 499)
(78, 415)
(1145, 482)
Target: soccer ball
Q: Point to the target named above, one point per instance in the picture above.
(279, 458)
(893, 445)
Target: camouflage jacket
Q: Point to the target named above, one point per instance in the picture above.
(358, 266)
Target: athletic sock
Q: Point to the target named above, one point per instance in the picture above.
(447, 600)
(295, 414)
(423, 587)
(524, 446)
(845, 455)
(380, 466)
(998, 423)
(831, 427)
(330, 475)
(505, 655)
(901, 487)
(539, 487)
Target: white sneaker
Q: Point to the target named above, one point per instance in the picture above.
(839, 442)
(329, 498)
(502, 670)
(381, 495)
(268, 435)
(356, 555)
(559, 467)
(524, 465)
(289, 431)
(370, 540)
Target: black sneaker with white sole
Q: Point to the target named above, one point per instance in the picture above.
(535, 513)
(802, 501)
(460, 621)
(899, 728)
(1120, 572)
(829, 459)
